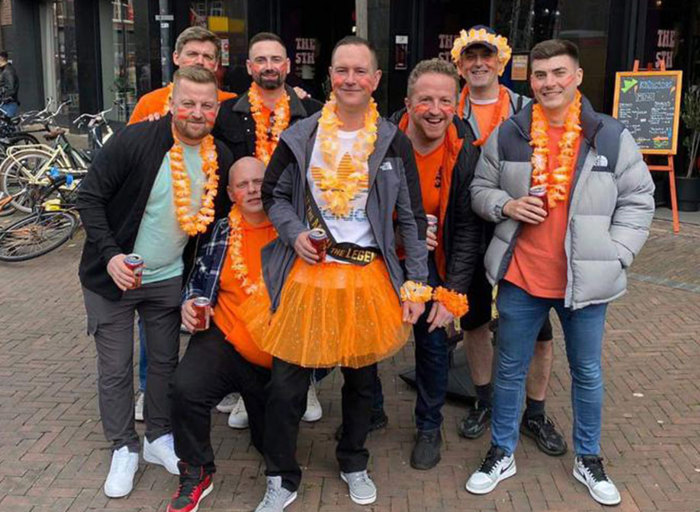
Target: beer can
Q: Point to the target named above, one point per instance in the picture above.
(319, 239)
(540, 191)
(432, 223)
(135, 263)
(201, 309)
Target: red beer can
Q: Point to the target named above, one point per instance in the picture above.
(135, 263)
(540, 191)
(319, 239)
(432, 223)
(201, 310)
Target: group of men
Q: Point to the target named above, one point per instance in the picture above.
(224, 200)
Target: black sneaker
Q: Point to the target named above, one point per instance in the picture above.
(377, 420)
(495, 467)
(195, 484)
(474, 424)
(589, 470)
(426, 451)
(544, 432)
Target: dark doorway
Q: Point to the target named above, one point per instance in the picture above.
(310, 29)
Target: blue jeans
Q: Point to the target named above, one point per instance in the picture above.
(143, 357)
(10, 109)
(520, 318)
(432, 362)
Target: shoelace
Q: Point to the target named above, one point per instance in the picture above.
(594, 466)
(545, 424)
(270, 495)
(361, 478)
(491, 460)
(186, 488)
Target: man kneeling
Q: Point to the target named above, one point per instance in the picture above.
(221, 359)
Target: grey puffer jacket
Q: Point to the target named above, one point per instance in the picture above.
(610, 209)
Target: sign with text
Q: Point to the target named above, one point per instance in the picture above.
(648, 103)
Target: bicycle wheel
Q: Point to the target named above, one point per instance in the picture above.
(17, 171)
(20, 139)
(5, 207)
(36, 235)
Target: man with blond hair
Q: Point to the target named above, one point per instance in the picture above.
(152, 190)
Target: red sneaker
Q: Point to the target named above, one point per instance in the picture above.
(194, 486)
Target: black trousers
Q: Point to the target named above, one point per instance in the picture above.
(286, 403)
(211, 369)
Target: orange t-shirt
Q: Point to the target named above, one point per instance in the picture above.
(232, 295)
(429, 172)
(539, 260)
(484, 114)
(156, 102)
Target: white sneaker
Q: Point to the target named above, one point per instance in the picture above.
(228, 403)
(120, 480)
(161, 452)
(138, 408)
(314, 412)
(495, 467)
(590, 472)
(238, 418)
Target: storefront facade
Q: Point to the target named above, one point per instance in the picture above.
(97, 51)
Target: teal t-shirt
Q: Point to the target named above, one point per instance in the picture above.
(160, 240)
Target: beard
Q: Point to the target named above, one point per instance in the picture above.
(269, 81)
(192, 131)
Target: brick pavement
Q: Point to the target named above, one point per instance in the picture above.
(53, 456)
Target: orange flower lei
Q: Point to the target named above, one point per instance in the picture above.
(558, 181)
(455, 303)
(193, 224)
(336, 191)
(235, 243)
(266, 137)
(503, 97)
(415, 292)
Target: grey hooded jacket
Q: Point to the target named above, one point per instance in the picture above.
(393, 186)
(611, 204)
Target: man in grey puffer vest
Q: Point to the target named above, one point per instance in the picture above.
(567, 250)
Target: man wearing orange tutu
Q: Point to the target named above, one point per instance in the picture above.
(347, 302)
(221, 357)
(446, 160)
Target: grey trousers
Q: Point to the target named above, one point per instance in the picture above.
(112, 325)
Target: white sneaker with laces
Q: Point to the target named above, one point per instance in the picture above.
(495, 467)
(314, 412)
(120, 480)
(138, 407)
(360, 487)
(228, 403)
(238, 418)
(589, 470)
(161, 452)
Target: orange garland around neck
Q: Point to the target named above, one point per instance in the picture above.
(266, 136)
(189, 223)
(235, 244)
(503, 97)
(337, 192)
(557, 181)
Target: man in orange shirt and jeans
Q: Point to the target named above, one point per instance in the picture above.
(223, 358)
(481, 56)
(567, 250)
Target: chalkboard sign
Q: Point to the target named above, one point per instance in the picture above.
(648, 103)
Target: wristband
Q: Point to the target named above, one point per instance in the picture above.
(415, 292)
(455, 303)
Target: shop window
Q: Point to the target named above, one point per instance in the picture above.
(65, 59)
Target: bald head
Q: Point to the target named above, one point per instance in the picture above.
(244, 184)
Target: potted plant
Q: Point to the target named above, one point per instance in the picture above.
(688, 186)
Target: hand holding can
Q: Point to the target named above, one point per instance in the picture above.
(432, 223)
(202, 310)
(319, 239)
(135, 263)
(540, 192)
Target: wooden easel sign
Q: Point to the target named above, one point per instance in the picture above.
(648, 103)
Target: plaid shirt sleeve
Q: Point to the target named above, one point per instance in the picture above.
(205, 275)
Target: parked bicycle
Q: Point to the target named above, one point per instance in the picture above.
(24, 166)
(52, 223)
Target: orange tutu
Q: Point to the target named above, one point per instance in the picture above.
(330, 314)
